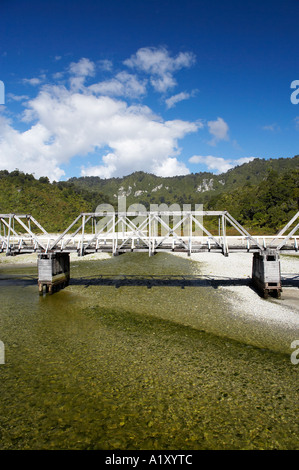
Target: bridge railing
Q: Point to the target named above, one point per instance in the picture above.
(144, 231)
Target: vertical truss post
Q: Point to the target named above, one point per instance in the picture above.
(82, 237)
(114, 239)
(8, 234)
(225, 247)
(190, 234)
(151, 240)
(149, 235)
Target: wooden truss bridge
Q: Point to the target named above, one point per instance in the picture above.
(152, 232)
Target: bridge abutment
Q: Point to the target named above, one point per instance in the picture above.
(53, 271)
(266, 273)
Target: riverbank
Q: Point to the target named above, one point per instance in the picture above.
(237, 267)
(241, 265)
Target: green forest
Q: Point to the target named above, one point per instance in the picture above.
(53, 205)
(262, 195)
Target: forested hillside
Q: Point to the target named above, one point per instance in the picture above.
(54, 205)
(264, 207)
(262, 195)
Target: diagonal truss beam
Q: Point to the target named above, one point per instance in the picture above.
(285, 228)
(136, 230)
(206, 232)
(241, 230)
(18, 218)
(292, 232)
(171, 231)
(35, 238)
(57, 240)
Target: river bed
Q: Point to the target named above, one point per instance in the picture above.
(133, 356)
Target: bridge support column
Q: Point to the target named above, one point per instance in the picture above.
(266, 274)
(53, 271)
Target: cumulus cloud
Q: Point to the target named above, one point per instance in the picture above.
(98, 120)
(159, 65)
(123, 84)
(219, 130)
(84, 67)
(170, 167)
(67, 122)
(27, 150)
(79, 71)
(219, 164)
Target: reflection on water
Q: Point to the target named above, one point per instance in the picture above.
(125, 366)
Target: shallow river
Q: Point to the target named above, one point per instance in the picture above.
(129, 361)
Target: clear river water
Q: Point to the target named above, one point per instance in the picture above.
(134, 360)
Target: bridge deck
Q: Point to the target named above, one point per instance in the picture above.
(122, 244)
(149, 231)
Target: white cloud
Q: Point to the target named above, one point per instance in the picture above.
(75, 119)
(58, 75)
(219, 130)
(124, 84)
(173, 100)
(32, 81)
(271, 127)
(219, 164)
(27, 150)
(105, 64)
(84, 67)
(79, 71)
(69, 124)
(170, 167)
(297, 122)
(13, 97)
(157, 63)
(104, 171)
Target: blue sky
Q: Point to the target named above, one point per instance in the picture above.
(169, 87)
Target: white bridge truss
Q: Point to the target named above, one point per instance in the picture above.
(119, 232)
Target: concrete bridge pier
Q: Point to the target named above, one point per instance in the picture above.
(53, 271)
(266, 273)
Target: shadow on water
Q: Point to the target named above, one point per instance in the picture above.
(182, 281)
(126, 280)
(290, 280)
(131, 280)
